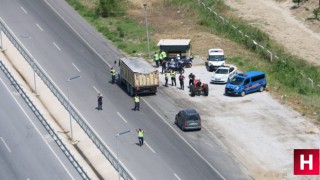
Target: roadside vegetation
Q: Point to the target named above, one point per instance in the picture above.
(293, 80)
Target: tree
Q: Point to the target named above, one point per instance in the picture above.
(316, 12)
(107, 8)
(297, 1)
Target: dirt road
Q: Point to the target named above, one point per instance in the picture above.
(287, 26)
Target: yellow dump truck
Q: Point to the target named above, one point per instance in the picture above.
(138, 76)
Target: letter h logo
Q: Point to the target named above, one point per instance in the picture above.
(306, 161)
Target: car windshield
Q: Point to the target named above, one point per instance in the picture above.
(222, 71)
(216, 58)
(193, 117)
(236, 80)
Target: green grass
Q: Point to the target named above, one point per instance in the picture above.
(288, 74)
(125, 33)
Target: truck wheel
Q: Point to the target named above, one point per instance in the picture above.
(189, 65)
(131, 91)
(206, 90)
(243, 93)
(261, 88)
(128, 88)
(193, 91)
(182, 71)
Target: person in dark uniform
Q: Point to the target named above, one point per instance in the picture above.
(164, 67)
(166, 77)
(191, 79)
(181, 79)
(100, 101)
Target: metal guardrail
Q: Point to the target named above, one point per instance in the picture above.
(27, 56)
(44, 122)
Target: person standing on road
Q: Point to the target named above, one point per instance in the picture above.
(191, 79)
(140, 136)
(136, 103)
(181, 79)
(100, 101)
(156, 59)
(161, 58)
(164, 66)
(113, 75)
(166, 77)
(173, 78)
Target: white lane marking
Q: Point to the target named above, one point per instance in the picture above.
(149, 147)
(25, 113)
(95, 51)
(23, 10)
(209, 144)
(122, 117)
(96, 89)
(177, 176)
(39, 27)
(76, 67)
(56, 46)
(206, 161)
(5, 144)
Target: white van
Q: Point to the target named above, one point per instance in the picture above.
(215, 59)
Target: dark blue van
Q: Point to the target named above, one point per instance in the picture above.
(244, 83)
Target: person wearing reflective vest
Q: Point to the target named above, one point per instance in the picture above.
(156, 59)
(113, 75)
(166, 77)
(140, 136)
(173, 78)
(136, 103)
(161, 57)
(164, 55)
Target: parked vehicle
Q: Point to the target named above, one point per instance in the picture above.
(223, 74)
(138, 76)
(188, 119)
(179, 64)
(199, 88)
(215, 59)
(248, 82)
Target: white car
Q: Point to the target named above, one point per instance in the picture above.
(223, 74)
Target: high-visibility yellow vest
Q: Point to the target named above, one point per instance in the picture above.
(113, 72)
(160, 56)
(167, 74)
(173, 74)
(164, 54)
(156, 57)
(136, 99)
(140, 133)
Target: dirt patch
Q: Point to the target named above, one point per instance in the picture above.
(286, 25)
(171, 22)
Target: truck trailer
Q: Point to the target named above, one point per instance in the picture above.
(138, 76)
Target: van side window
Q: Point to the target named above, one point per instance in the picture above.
(246, 81)
(257, 78)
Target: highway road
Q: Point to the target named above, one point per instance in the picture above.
(75, 48)
(27, 151)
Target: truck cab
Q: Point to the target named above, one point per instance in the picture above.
(215, 59)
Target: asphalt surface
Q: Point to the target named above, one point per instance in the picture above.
(168, 153)
(27, 151)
